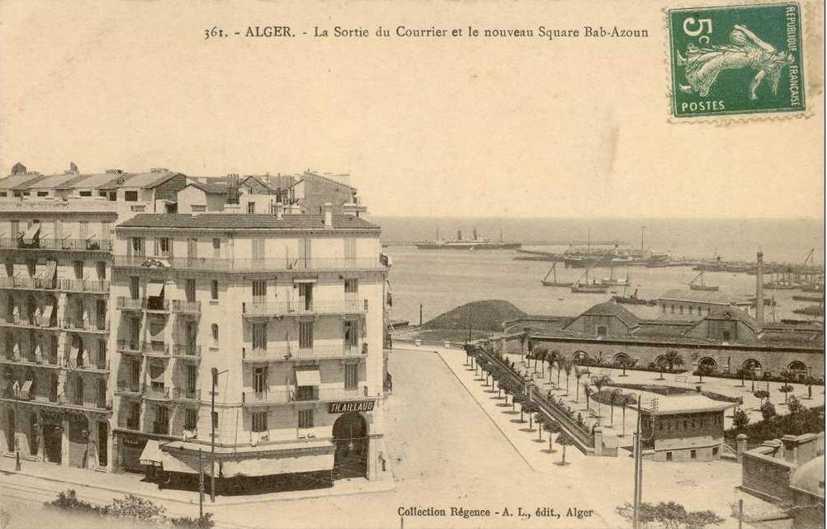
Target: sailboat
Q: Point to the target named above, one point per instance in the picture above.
(588, 287)
(612, 281)
(698, 284)
(554, 282)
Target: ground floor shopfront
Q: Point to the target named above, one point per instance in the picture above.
(65, 437)
(301, 463)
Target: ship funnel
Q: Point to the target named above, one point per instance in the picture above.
(459, 235)
(475, 234)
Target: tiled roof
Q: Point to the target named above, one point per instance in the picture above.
(18, 180)
(145, 180)
(232, 221)
(610, 308)
(97, 181)
(56, 181)
(219, 187)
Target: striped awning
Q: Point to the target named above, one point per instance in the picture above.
(308, 377)
(155, 289)
(152, 454)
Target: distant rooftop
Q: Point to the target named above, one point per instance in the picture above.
(669, 405)
(695, 296)
(234, 221)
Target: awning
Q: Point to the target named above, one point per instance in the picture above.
(24, 391)
(48, 273)
(31, 233)
(47, 313)
(173, 464)
(152, 454)
(308, 377)
(155, 289)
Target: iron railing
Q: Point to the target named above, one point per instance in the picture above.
(248, 265)
(299, 308)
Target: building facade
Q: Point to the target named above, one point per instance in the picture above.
(683, 428)
(288, 310)
(114, 313)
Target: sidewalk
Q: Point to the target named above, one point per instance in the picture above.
(128, 483)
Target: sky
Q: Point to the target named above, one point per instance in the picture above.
(425, 127)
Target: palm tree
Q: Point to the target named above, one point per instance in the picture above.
(578, 373)
(567, 367)
(599, 382)
(551, 358)
(673, 358)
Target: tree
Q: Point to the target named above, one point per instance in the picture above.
(539, 418)
(672, 358)
(564, 440)
(615, 396)
(600, 382)
(552, 428)
(704, 369)
(740, 419)
(786, 389)
(761, 395)
(567, 367)
(587, 391)
(541, 357)
(670, 516)
(628, 399)
(795, 405)
(768, 410)
(551, 359)
(578, 373)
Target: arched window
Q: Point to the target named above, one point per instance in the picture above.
(215, 334)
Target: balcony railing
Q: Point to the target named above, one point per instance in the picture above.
(186, 307)
(129, 346)
(156, 393)
(157, 304)
(26, 283)
(44, 360)
(156, 349)
(78, 325)
(125, 303)
(299, 308)
(280, 396)
(86, 245)
(95, 366)
(128, 388)
(35, 323)
(187, 351)
(279, 352)
(84, 285)
(186, 395)
(250, 265)
(265, 398)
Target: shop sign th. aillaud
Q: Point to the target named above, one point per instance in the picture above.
(344, 407)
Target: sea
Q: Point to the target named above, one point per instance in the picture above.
(435, 281)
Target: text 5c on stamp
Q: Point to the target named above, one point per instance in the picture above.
(736, 60)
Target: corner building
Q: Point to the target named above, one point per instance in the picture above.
(289, 310)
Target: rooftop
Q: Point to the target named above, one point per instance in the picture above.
(610, 308)
(234, 221)
(670, 405)
(695, 296)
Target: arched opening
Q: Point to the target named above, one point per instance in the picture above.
(709, 364)
(350, 435)
(621, 360)
(581, 358)
(752, 366)
(798, 369)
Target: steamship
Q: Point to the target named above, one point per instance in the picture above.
(476, 243)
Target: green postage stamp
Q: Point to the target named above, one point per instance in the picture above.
(740, 59)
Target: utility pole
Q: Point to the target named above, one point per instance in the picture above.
(420, 314)
(638, 469)
(214, 372)
(200, 486)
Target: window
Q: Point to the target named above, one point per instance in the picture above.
(673, 309)
(214, 289)
(601, 331)
(134, 287)
(258, 248)
(42, 193)
(693, 454)
(78, 266)
(305, 335)
(85, 193)
(189, 289)
(215, 419)
(260, 421)
(192, 248)
(680, 309)
(260, 336)
(137, 246)
(163, 420)
(669, 456)
(726, 336)
(84, 229)
(351, 376)
(714, 450)
(214, 329)
(260, 379)
(101, 394)
(259, 291)
(164, 247)
(131, 196)
(78, 390)
(3, 194)
(691, 308)
(251, 207)
(306, 418)
(351, 333)
(9, 269)
(350, 249)
(191, 420)
(351, 286)
(15, 228)
(100, 268)
(31, 267)
(216, 248)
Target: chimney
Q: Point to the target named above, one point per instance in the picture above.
(328, 215)
(759, 289)
(279, 210)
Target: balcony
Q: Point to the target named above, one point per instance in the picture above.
(128, 389)
(160, 428)
(84, 286)
(156, 349)
(276, 397)
(280, 352)
(129, 347)
(186, 307)
(34, 323)
(301, 308)
(32, 359)
(157, 304)
(186, 395)
(156, 392)
(97, 366)
(74, 245)
(187, 352)
(131, 423)
(26, 283)
(251, 265)
(93, 327)
(62, 402)
(130, 304)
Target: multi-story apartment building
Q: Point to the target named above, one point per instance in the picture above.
(99, 306)
(287, 309)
